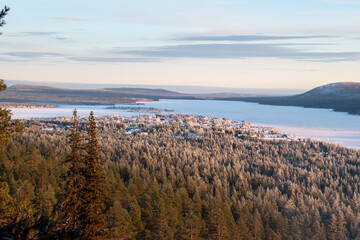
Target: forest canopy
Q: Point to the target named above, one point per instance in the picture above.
(169, 184)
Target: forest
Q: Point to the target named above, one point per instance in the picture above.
(88, 178)
(169, 184)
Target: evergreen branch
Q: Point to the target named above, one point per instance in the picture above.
(3, 13)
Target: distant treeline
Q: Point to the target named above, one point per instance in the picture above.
(50, 95)
(25, 105)
(341, 97)
(338, 104)
(214, 186)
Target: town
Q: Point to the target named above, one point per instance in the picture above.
(177, 125)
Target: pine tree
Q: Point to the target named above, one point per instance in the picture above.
(217, 221)
(74, 180)
(120, 221)
(135, 215)
(147, 216)
(92, 204)
(25, 210)
(257, 228)
(3, 13)
(192, 227)
(341, 225)
(6, 205)
(7, 126)
(162, 230)
(333, 228)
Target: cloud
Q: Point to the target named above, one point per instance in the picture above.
(73, 19)
(240, 38)
(111, 59)
(14, 60)
(35, 56)
(51, 35)
(341, 1)
(237, 51)
(30, 54)
(195, 51)
(63, 39)
(22, 34)
(40, 33)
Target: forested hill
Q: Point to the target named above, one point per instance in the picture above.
(24, 93)
(45, 94)
(182, 181)
(341, 97)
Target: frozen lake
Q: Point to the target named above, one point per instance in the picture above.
(322, 124)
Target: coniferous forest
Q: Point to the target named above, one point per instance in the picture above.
(91, 178)
(88, 179)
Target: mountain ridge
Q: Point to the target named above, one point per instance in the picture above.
(340, 89)
(340, 96)
(37, 93)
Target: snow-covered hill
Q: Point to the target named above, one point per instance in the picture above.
(340, 89)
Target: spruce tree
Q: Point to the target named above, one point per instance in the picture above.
(7, 126)
(6, 205)
(93, 216)
(74, 180)
(3, 13)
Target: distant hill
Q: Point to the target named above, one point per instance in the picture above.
(29, 87)
(341, 97)
(146, 91)
(177, 88)
(338, 90)
(26, 93)
(44, 94)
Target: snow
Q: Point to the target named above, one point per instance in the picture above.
(322, 124)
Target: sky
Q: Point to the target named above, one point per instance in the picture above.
(215, 43)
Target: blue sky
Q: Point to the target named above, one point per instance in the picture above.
(242, 44)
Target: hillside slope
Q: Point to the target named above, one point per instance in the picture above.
(35, 93)
(341, 97)
(222, 183)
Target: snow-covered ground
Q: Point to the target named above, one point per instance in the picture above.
(322, 124)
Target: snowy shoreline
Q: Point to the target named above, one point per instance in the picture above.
(317, 124)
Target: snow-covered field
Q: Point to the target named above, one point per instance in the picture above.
(322, 124)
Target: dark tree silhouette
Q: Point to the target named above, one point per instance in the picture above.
(92, 216)
(3, 13)
(74, 181)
